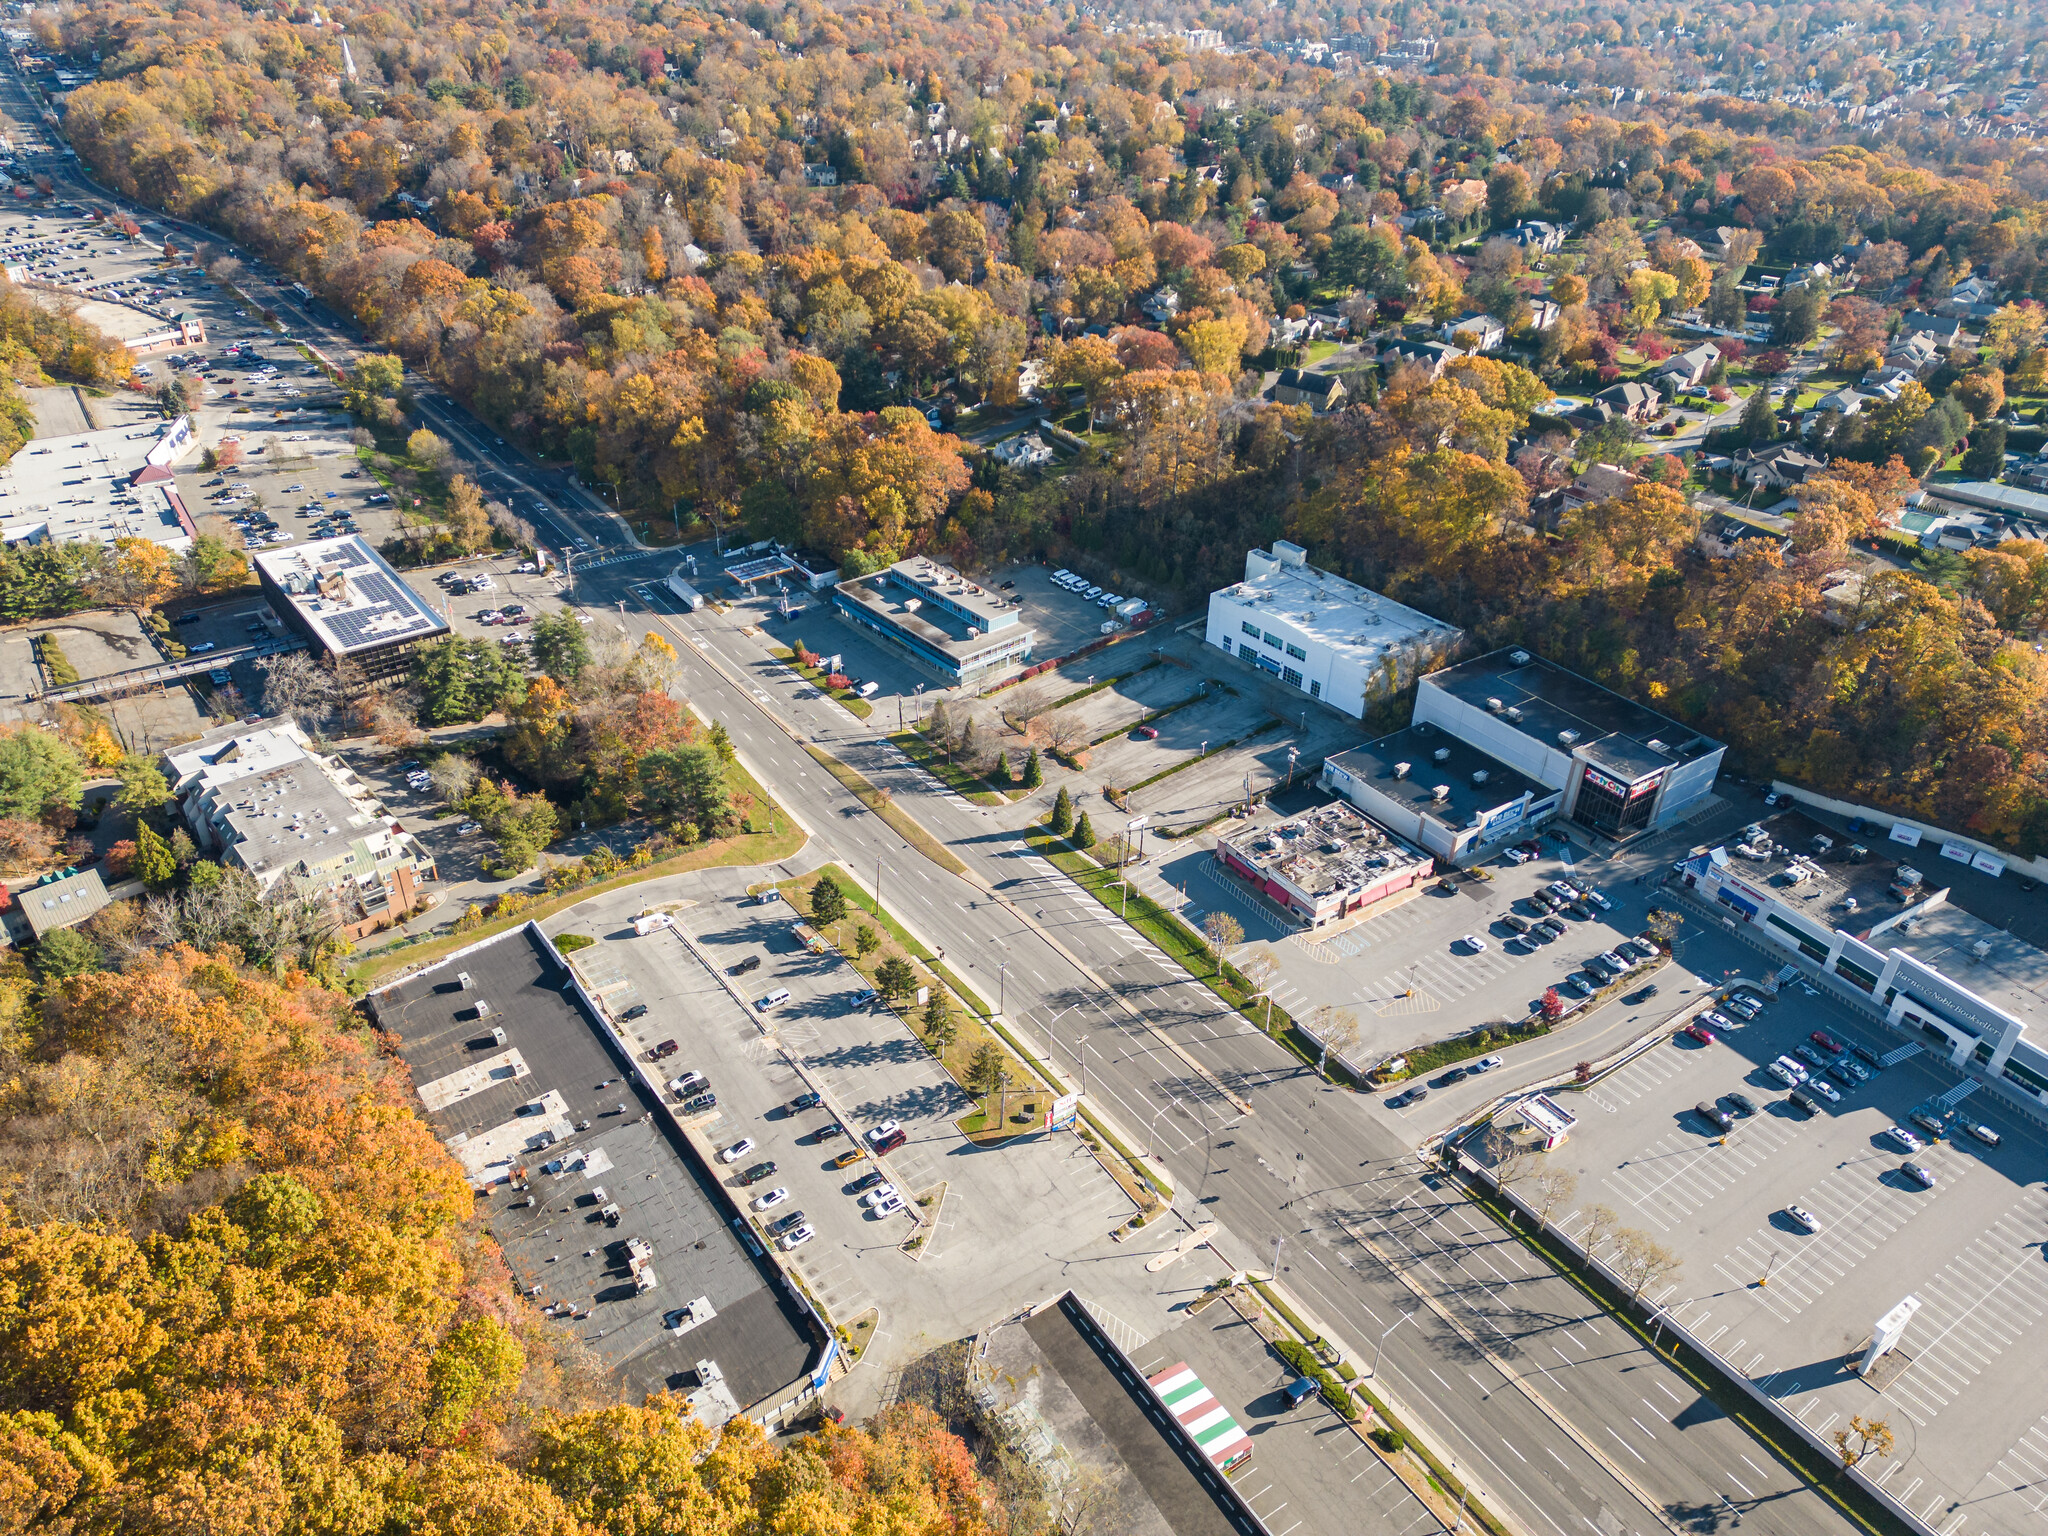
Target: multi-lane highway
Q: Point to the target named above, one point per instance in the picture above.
(1557, 1414)
(1561, 1415)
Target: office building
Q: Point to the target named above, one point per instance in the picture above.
(345, 601)
(1333, 639)
(260, 797)
(947, 623)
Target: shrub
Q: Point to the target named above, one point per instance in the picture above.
(1390, 1440)
(569, 943)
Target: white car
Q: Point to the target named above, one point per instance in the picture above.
(773, 1198)
(1825, 1089)
(737, 1150)
(1475, 942)
(883, 1132)
(1907, 1141)
(796, 1237)
(1804, 1217)
(468, 827)
(888, 1207)
(1777, 1070)
(878, 1194)
(1516, 856)
(1485, 1064)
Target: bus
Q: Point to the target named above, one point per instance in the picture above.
(1207, 1422)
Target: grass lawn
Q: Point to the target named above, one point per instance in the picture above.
(747, 848)
(1027, 1098)
(854, 704)
(1316, 351)
(972, 786)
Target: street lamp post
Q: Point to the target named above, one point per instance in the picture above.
(1002, 987)
(1081, 1060)
(1383, 1341)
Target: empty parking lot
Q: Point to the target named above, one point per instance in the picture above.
(1793, 1309)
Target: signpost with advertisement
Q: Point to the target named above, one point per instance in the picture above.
(1065, 1109)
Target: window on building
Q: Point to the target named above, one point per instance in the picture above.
(1274, 641)
(2032, 1081)
(1250, 629)
(1855, 975)
(1225, 643)
(1807, 946)
(1315, 690)
(1291, 677)
(1297, 653)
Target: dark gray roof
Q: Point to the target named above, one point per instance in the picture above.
(1309, 383)
(1375, 762)
(758, 1337)
(1625, 737)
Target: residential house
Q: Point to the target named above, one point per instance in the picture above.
(1688, 368)
(1162, 306)
(1847, 402)
(1433, 355)
(1600, 482)
(1944, 330)
(1476, 333)
(1319, 391)
(1025, 451)
(1543, 314)
(1915, 351)
(60, 900)
(1972, 298)
(1778, 467)
(1722, 537)
(1535, 235)
(821, 175)
(1885, 382)
(1633, 401)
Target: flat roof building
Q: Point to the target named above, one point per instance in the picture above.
(1623, 769)
(96, 487)
(1329, 864)
(623, 1240)
(346, 602)
(144, 329)
(1333, 639)
(266, 801)
(949, 623)
(1439, 792)
(1950, 981)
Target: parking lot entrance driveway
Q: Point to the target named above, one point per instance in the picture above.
(1793, 1308)
(1016, 1220)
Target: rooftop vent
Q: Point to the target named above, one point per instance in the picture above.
(1569, 738)
(1981, 948)
(1441, 793)
(1441, 755)
(1655, 745)
(1512, 715)
(1519, 658)
(1402, 770)
(1479, 776)
(1495, 706)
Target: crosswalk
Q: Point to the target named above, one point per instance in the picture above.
(631, 554)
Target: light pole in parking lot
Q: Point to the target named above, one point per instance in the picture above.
(1766, 1280)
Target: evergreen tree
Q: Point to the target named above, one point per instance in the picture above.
(1084, 832)
(1063, 813)
(939, 1029)
(1759, 423)
(1034, 773)
(153, 864)
(1986, 458)
(828, 902)
(1001, 772)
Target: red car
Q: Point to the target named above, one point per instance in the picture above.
(1701, 1033)
(1827, 1042)
(1149, 732)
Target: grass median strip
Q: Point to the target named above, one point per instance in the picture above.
(854, 704)
(883, 804)
(969, 785)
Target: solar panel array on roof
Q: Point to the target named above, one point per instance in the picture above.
(349, 595)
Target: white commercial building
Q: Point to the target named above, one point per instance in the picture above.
(97, 487)
(1620, 769)
(1333, 639)
(265, 800)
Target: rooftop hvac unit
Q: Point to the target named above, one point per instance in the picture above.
(1981, 948)
(1402, 770)
(1441, 755)
(1479, 776)
(1519, 658)
(1494, 706)
(1569, 738)
(462, 980)
(1441, 793)
(1655, 745)
(1512, 715)
(483, 1009)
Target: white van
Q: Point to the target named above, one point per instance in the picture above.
(774, 999)
(869, 690)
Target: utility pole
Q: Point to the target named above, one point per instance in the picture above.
(878, 887)
(1081, 1060)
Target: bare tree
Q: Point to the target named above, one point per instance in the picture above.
(515, 528)
(1062, 731)
(1553, 1186)
(1336, 1029)
(1510, 1160)
(297, 686)
(1222, 931)
(1026, 705)
(1601, 1222)
(1640, 1260)
(453, 777)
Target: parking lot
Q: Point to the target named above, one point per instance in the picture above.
(1406, 969)
(1040, 1201)
(1792, 1308)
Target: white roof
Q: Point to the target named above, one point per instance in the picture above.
(1351, 620)
(78, 488)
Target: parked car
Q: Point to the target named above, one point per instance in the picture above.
(689, 1083)
(1904, 1139)
(1414, 1095)
(848, 1158)
(883, 1132)
(1486, 1063)
(1802, 1103)
(1701, 1033)
(804, 1101)
(1745, 1106)
(888, 1207)
(737, 1150)
(829, 1131)
(796, 1238)
(1514, 923)
(1714, 1115)
(1513, 856)
(740, 968)
(1919, 1173)
(1803, 1217)
(878, 1194)
(637, 1011)
(699, 1104)
(1825, 1089)
(1827, 1042)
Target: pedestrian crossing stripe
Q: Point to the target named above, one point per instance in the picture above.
(637, 554)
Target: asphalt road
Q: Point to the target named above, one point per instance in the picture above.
(1606, 1437)
(1364, 1231)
